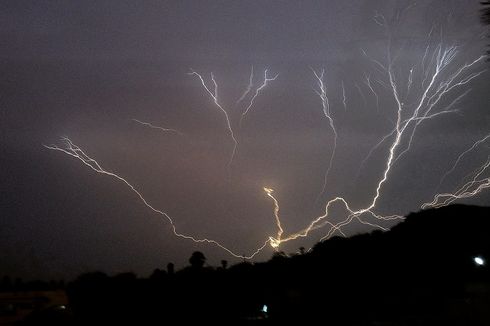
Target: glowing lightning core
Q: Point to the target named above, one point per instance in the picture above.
(275, 242)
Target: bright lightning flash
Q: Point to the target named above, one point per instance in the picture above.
(428, 82)
(275, 241)
(436, 83)
(214, 96)
(257, 92)
(322, 93)
(75, 151)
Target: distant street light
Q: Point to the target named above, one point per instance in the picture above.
(479, 261)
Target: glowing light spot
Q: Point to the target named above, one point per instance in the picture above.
(264, 308)
(479, 261)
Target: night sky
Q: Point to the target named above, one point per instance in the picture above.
(85, 69)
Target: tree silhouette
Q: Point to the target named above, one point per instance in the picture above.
(197, 260)
(224, 264)
(170, 268)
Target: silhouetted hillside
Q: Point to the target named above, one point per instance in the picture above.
(422, 272)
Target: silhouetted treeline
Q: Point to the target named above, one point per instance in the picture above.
(422, 272)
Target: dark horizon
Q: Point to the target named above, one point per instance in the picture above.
(418, 273)
(94, 71)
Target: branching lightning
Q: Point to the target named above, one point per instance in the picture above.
(249, 86)
(75, 151)
(471, 188)
(368, 84)
(275, 241)
(214, 96)
(436, 87)
(460, 157)
(257, 92)
(322, 93)
(419, 98)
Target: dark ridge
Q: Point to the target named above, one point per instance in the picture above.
(422, 272)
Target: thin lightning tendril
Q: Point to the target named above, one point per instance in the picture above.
(257, 92)
(344, 100)
(368, 83)
(76, 152)
(249, 86)
(152, 126)
(469, 189)
(460, 157)
(275, 241)
(214, 96)
(322, 93)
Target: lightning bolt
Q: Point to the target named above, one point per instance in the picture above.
(214, 96)
(437, 81)
(257, 92)
(249, 87)
(436, 88)
(322, 93)
(460, 157)
(275, 241)
(76, 152)
(368, 83)
(157, 127)
(410, 80)
(344, 100)
(469, 189)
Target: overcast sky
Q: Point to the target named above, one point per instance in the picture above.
(85, 69)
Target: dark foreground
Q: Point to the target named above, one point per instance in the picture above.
(429, 270)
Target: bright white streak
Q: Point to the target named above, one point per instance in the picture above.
(249, 87)
(469, 189)
(257, 91)
(322, 93)
(76, 152)
(368, 83)
(157, 127)
(460, 157)
(275, 242)
(214, 96)
(441, 59)
(344, 100)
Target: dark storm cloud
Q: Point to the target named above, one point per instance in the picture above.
(85, 69)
